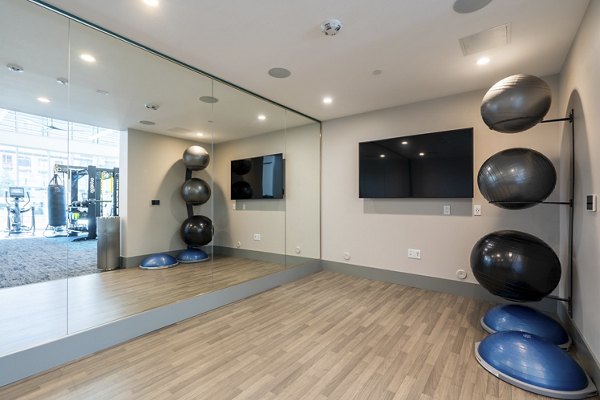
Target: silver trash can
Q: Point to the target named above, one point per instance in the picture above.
(109, 243)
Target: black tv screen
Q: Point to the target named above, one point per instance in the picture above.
(430, 165)
(257, 178)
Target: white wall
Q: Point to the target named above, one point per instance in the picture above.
(580, 90)
(377, 233)
(283, 224)
(153, 169)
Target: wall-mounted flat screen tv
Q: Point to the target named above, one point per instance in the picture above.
(258, 177)
(430, 165)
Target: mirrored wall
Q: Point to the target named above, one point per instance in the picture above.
(92, 126)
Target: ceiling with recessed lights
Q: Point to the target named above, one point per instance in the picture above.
(387, 53)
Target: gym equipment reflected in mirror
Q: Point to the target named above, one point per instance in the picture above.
(92, 126)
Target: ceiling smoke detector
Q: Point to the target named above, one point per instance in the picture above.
(152, 106)
(331, 27)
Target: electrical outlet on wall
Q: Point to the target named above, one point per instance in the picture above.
(414, 253)
(477, 210)
(447, 209)
(256, 236)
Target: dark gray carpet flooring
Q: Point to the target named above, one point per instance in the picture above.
(31, 260)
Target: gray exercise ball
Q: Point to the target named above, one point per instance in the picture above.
(196, 158)
(197, 230)
(516, 103)
(516, 178)
(195, 191)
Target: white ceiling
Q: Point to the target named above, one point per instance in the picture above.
(414, 44)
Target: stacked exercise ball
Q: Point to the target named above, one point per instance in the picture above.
(516, 103)
(196, 230)
(523, 348)
(516, 178)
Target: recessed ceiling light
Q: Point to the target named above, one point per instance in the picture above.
(62, 81)
(199, 134)
(14, 67)
(382, 156)
(208, 99)
(262, 117)
(421, 154)
(152, 106)
(279, 72)
(43, 100)
(327, 100)
(144, 122)
(405, 142)
(88, 58)
(151, 3)
(377, 72)
(483, 60)
(469, 6)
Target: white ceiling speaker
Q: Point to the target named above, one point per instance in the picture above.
(331, 27)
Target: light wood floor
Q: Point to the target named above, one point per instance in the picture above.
(34, 314)
(328, 336)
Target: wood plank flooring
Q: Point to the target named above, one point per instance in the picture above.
(328, 336)
(37, 313)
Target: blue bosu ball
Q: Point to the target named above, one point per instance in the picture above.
(514, 317)
(158, 261)
(192, 256)
(533, 364)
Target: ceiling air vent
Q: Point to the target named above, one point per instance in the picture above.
(485, 40)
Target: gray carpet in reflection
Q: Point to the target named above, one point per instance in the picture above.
(30, 260)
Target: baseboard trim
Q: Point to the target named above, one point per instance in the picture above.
(41, 358)
(584, 355)
(459, 288)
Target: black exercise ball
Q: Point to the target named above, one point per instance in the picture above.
(197, 230)
(241, 190)
(195, 191)
(241, 167)
(196, 158)
(516, 103)
(515, 265)
(516, 178)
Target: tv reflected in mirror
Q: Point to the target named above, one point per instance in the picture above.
(258, 178)
(430, 165)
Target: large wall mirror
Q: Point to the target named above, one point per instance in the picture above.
(92, 126)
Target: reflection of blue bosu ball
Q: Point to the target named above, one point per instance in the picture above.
(196, 158)
(241, 167)
(195, 191)
(158, 261)
(516, 178)
(192, 256)
(515, 265)
(241, 190)
(533, 364)
(197, 230)
(515, 317)
(516, 103)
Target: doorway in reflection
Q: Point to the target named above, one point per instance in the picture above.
(48, 196)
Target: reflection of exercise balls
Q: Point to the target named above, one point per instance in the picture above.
(241, 190)
(195, 191)
(196, 158)
(197, 230)
(241, 167)
(158, 261)
(515, 265)
(516, 103)
(516, 178)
